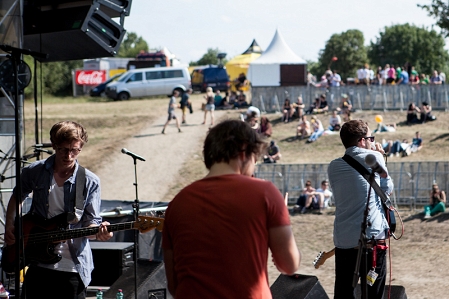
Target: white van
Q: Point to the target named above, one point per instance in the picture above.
(149, 82)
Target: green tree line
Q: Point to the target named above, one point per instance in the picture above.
(397, 45)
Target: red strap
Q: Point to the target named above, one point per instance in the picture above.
(375, 247)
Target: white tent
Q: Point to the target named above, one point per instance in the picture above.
(266, 70)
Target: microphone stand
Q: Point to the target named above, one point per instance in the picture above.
(362, 246)
(136, 231)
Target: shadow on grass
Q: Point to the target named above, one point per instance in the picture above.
(290, 139)
(442, 136)
(146, 135)
(441, 217)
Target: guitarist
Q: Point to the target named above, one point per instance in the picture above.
(350, 193)
(52, 183)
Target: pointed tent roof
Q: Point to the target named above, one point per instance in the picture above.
(253, 48)
(278, 52)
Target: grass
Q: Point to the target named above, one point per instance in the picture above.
(109, 123)
(435, 138)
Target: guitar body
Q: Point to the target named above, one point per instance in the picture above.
(36, 250)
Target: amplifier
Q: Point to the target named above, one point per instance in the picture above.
(110, 259)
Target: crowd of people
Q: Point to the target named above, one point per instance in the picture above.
(387, 75)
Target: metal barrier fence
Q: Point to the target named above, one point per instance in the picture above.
(412, 180)
(374, 97)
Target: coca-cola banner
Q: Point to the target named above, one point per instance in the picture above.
(89, 77)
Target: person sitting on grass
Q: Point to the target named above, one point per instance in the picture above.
(299, 107)
(287, 111)
(273, 153)
(303, 129)
(345, 107)
(334, 122)
(326, 193)
(412, 114)
(317, 128)
(218, 99)
(266, 129)
(437, 202)
(309, 199)
(241, 100)
(426, 113)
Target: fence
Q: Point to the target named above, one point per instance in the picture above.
(375, 97)
(412, 180)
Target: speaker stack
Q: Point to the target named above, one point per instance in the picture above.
(72, 30)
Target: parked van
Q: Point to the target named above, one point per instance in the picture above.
(210, 76)
(149, 82)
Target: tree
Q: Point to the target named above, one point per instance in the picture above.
(401, 44)
(209, 58)
(56, 76)
(440, 10)
(132, 45)
(349, 49)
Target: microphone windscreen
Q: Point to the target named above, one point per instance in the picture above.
(124, 150)
(370, 160)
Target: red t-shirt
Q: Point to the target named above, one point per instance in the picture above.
(218, 230)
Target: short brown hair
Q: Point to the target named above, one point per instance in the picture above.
(68, 131)
(228, 139)
(352, 131)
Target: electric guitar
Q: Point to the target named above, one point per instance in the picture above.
(322, 257)
(40, 236)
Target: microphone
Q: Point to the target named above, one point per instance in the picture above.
(43, 145)
(50, 152)
(8, 48)
(125, 151)
(36, 153)
(371, 161)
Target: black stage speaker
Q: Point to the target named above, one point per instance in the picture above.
(71, 33)
(150, 280)
(397, 292)
(297, 286)
(110, 261)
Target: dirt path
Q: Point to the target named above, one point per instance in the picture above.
(164, 154)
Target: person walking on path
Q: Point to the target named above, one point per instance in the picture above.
(171, 112)
(210, 105)
(185, 104)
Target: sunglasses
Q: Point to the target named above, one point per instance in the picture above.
(370, 138)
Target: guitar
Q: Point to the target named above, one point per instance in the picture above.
(40, 236)
(322, 257)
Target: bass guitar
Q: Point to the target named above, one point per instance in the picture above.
(322, 257)
(40, 236)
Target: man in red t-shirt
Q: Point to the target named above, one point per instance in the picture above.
(218, 230)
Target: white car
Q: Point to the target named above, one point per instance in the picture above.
(149, 82)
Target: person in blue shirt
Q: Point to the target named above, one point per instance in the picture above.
(350, 192)
(403, 77)
(53, 184)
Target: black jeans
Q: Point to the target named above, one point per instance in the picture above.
(45, 283)
(345, 262)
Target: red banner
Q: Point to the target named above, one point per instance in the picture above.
(84, 77)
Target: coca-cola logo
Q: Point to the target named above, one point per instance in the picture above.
(90, 77)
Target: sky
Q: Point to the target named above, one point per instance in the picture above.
(189, 27)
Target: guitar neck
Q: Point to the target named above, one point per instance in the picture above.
(62, 235)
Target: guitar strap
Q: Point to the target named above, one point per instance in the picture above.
(386, 203)
(75, 216)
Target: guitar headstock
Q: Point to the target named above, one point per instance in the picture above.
(322, 257)
(146, 223)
